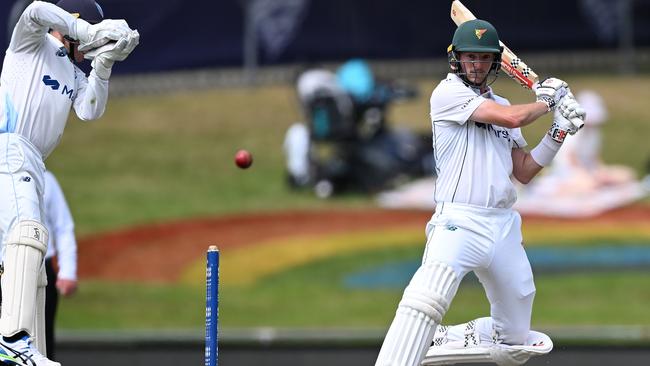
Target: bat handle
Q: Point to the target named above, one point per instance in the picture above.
(578, 122)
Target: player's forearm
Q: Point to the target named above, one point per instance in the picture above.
(525, 114)
(509, 116)
(526, 168)
(91, 101)
(68, 268)
(66, 252)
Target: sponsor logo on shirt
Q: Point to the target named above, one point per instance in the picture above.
(55, 85)
(498, 132)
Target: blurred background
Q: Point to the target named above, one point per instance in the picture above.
(319, 264)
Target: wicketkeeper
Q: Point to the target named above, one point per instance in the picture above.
(478, 146)
(39, 85)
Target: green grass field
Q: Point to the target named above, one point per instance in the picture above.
(167, 157)
(311, 296)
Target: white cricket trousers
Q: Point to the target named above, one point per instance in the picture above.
(21, 183)
(488, 242)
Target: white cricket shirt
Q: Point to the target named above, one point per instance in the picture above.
(59, 223)
(473, 160)
(39, 83)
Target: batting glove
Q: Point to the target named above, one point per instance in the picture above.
(571, 110)
(550, 91)
(562, 126)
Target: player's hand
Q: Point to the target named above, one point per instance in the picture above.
(125, 46)
(102, 66)
(66, 287)
(571, 110)
(104, 57)
(103, 32)
(116, 51)
(562, 127)
(550, 91)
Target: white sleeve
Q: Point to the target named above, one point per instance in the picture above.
(35, 22)
(61, 230)
(453, 102)
(518, 138)
(92, 95)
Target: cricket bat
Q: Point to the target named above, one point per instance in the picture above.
(510, 63)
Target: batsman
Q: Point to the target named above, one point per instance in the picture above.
(39, 85)
(478, 147)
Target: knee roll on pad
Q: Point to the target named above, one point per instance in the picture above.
(23, 263)
(431, 290)
(29, 232)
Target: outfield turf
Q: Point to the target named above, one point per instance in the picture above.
(306, 297)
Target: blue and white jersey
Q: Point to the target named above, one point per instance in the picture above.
(473, 159)
(39, 84)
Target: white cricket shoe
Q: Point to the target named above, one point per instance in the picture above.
(22, 352)
(462, 344)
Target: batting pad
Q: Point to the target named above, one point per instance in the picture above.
(537, 344)
(39, 316)
(23, 263)
(424, 303)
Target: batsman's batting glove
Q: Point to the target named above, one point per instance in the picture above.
(562, 127)
(91, 36)
(571, 110)
(550, 91)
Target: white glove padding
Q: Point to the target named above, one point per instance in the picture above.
(116, 51)
(101, 33)
(102, 66)
(561, 127)
(549, 91)
(105, 56)
(570, 109)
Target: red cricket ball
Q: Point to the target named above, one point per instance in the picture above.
(243, 159)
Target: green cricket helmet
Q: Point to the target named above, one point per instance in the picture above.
(475, 36)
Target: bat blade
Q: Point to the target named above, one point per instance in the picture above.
(459, 13)
(510, 63)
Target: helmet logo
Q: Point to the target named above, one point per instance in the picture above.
(479, 32)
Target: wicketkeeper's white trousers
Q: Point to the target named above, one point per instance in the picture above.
(21, 182)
